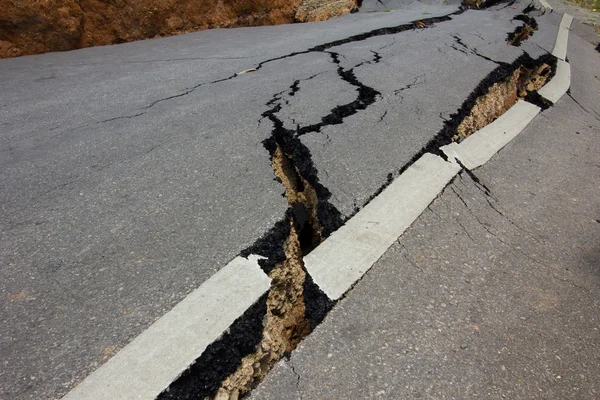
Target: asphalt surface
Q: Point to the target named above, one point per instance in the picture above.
(132, 173)
(419, 89)
(486, 295)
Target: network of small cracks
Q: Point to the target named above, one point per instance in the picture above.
(591, 112)
(463, 48)
(494, 207)
(418, 80)
(425, 23)
(365, 96)
(288, 140)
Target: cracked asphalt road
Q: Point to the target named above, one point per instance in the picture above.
(490, 294)
(132, 173)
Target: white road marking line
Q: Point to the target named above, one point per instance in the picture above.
(560, 83)
(480, 147)
(562, 38)
(546, 5)
(349, 252)
(158, 356)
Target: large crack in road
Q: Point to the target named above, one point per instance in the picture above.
(522, 32)
(424, 23)
(294, 305)
(365, 97)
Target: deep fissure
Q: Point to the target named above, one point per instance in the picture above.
(501, 96)
(494, 95)
(522, 32)
(294, 305)
(284, 324)
(450, 131)
(221, 358)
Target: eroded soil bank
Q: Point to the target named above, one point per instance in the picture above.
(40, 26)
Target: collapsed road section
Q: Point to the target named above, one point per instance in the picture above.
(498, 92)
(522, 32)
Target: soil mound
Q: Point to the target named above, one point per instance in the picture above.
(39, 26)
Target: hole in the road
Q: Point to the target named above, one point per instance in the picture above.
(522, 32)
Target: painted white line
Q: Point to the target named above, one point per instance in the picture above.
(481, 146)
(560, 83)
(562, 38)
(154, 359)
(546, 5)
(349, 252)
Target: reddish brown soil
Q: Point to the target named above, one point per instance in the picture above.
(39, 26)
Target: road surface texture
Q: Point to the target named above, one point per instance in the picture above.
(493, 292)
(132, 173)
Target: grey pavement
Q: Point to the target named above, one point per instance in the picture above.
(582, 15)
(129, 179)
(488, 295)
(132, 173)
(419, 90)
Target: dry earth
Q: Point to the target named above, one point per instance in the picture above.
(39, 26)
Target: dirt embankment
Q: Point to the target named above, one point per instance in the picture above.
(39, 26)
